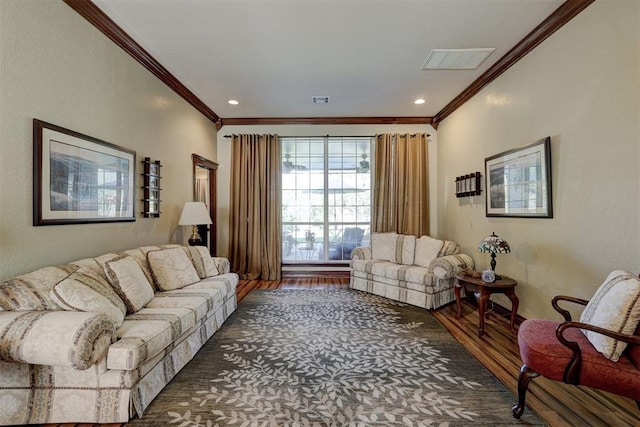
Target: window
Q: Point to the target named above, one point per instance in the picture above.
(326, 197)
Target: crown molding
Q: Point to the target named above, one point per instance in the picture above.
(92, 13)
(567, 11)
(326, 121)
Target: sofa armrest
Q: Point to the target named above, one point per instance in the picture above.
(222, 264)
(55, 338)
(363, 252)
(446, 267)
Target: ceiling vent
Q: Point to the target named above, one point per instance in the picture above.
(456, 59)
(320, 99)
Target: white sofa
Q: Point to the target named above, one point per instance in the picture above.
(418, 271)
(96, 340)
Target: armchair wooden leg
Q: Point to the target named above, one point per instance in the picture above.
(526, 375)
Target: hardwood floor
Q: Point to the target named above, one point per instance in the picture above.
(557, 404)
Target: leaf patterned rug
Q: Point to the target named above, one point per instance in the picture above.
(332, 358)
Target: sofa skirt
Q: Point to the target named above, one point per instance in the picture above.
(428, 298)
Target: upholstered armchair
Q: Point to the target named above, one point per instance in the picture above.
(602, 350)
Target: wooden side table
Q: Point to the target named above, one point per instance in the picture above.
(485, 289)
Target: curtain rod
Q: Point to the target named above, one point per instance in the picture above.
(318, 136)
(323, 136)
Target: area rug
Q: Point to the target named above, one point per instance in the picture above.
(332, 358)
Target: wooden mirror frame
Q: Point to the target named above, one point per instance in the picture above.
(199, 161)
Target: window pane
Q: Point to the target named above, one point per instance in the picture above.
(325, 212)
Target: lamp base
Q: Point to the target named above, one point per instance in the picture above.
(195, 239)
(195, 242)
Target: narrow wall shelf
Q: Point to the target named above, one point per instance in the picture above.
(151, 188)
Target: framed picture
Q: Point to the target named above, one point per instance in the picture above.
(78, 179)
(518, 182)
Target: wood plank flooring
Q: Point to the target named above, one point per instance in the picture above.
(557, 404)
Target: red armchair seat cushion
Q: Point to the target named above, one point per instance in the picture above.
(541, 351)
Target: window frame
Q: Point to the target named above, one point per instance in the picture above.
(313, 257)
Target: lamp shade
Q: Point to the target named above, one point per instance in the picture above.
(494, 244)
(194, 213)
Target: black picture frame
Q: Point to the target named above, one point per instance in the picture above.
(78, 179)
(518, 182)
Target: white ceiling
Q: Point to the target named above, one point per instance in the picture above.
(274, 55)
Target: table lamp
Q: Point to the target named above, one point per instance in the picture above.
(494, 245)
(194, 214)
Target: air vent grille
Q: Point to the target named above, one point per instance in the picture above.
(456, 59)
(320, 99)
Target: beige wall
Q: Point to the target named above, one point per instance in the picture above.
(224, 156)
(58, 68)
(582, 88)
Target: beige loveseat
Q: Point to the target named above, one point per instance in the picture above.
(418, 271)
(96, 340)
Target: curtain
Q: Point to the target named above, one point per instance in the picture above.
(401, 184)
(255, 235)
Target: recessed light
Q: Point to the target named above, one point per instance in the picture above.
(233, 102)
(419, 101)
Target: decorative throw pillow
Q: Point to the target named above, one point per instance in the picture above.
(202, 261)
(141, 258)
(31, 291)
(427, 249)
(90, 264)
(383, 246)
(615, 306)
(129, 282)
(172, 269)
(405, 249)
(449, 248)
(103, 259)
(87, 291)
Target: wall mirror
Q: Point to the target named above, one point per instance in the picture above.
(204, 190)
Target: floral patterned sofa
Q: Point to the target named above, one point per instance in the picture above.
(96, 340)
(418, 271)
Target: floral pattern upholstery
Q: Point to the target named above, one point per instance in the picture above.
(129, 282)
(407, 281)
(62, 365)
(202, 261)
(58, 338)
(86, 290)
(31, 291)
(172, 269)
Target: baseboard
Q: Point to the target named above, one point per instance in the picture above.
(288, 274)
